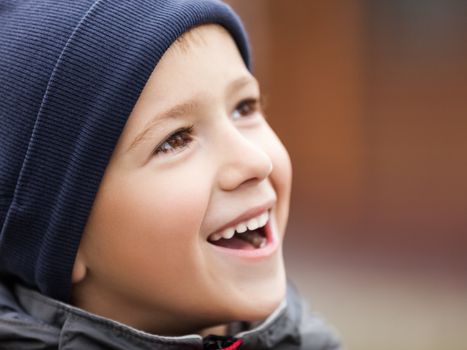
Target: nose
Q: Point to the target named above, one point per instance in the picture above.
(242, 161)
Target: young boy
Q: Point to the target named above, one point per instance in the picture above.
(144, 197)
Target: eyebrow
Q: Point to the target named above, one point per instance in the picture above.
(185, 108)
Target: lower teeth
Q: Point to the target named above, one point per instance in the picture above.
(255, 238)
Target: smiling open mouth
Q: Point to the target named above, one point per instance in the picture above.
(248, 240)
(248, 235)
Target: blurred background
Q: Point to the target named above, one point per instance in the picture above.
(370, 98)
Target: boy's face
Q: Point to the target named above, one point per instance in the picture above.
(148, 256)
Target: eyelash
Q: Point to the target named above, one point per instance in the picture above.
(253, 104)
(182, 137)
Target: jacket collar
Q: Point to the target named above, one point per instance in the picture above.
(56, 324)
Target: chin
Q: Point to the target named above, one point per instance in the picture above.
(258, 300)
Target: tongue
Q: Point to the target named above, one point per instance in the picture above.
(234, 243)
(247, 241)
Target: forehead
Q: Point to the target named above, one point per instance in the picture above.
(202, 63)
(207, 49)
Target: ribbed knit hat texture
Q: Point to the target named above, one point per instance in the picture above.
(70, 74)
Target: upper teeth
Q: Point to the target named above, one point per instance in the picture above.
(252, 224)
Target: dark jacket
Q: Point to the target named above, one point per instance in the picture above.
(30, 320)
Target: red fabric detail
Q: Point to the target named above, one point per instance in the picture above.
(235, 345)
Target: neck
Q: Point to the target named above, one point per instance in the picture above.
(216, 330)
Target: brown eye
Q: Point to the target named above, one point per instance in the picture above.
(177, 141)
(246, 108)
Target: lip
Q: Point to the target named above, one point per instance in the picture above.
(249, 214)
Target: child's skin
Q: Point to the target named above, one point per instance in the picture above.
(145, 259)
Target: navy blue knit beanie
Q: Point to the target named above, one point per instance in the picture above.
(70, 74)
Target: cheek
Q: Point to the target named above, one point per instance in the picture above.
(147, 222)
(282, 166)
(281, 176)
